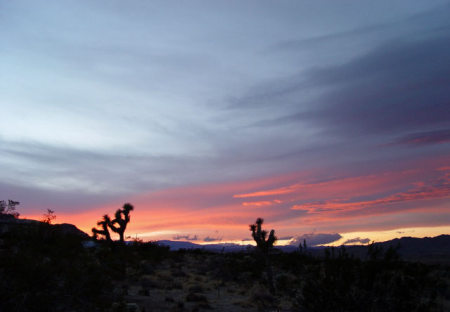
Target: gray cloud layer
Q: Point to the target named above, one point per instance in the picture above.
(212, 239)
(399, 86)
(424, 138)
(316, 239)
(357, 240)
(144, 96)
(185, 237)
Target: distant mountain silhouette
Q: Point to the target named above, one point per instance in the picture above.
(176, 245)
(228, 247)
(411, 245)
(428, 249)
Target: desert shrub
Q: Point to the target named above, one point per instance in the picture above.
(261, 298)
(195, 297)
(147, 283)
(376, 285)
(178, 272)
(150, 251)
(238, 267)
(285, 283)
(197, 288)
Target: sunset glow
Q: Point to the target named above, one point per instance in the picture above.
(376, 206)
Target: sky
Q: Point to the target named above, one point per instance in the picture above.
(330, 120)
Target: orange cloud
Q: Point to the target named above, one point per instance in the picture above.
(336, 187)
(435, 192)
(422, 193)
(278, 191)
(262, 203)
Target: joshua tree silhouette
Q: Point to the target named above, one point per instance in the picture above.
(117, 225)
(259, 236)
(120, 221)
(264, 245)
(104, 228)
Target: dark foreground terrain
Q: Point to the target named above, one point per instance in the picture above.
(56, 268)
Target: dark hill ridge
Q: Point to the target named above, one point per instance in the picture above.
(431, 249)
(8, 224)
(411, 244)
(70, 229)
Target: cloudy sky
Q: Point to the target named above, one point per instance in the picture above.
(324, 118)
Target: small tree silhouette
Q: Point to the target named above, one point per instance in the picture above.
(10, 208)
(122, 218)
(104, 229)
(49, 216)
(264, 245)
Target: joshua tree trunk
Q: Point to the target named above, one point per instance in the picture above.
(121, 237)
(108, 237)
(269, 274)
